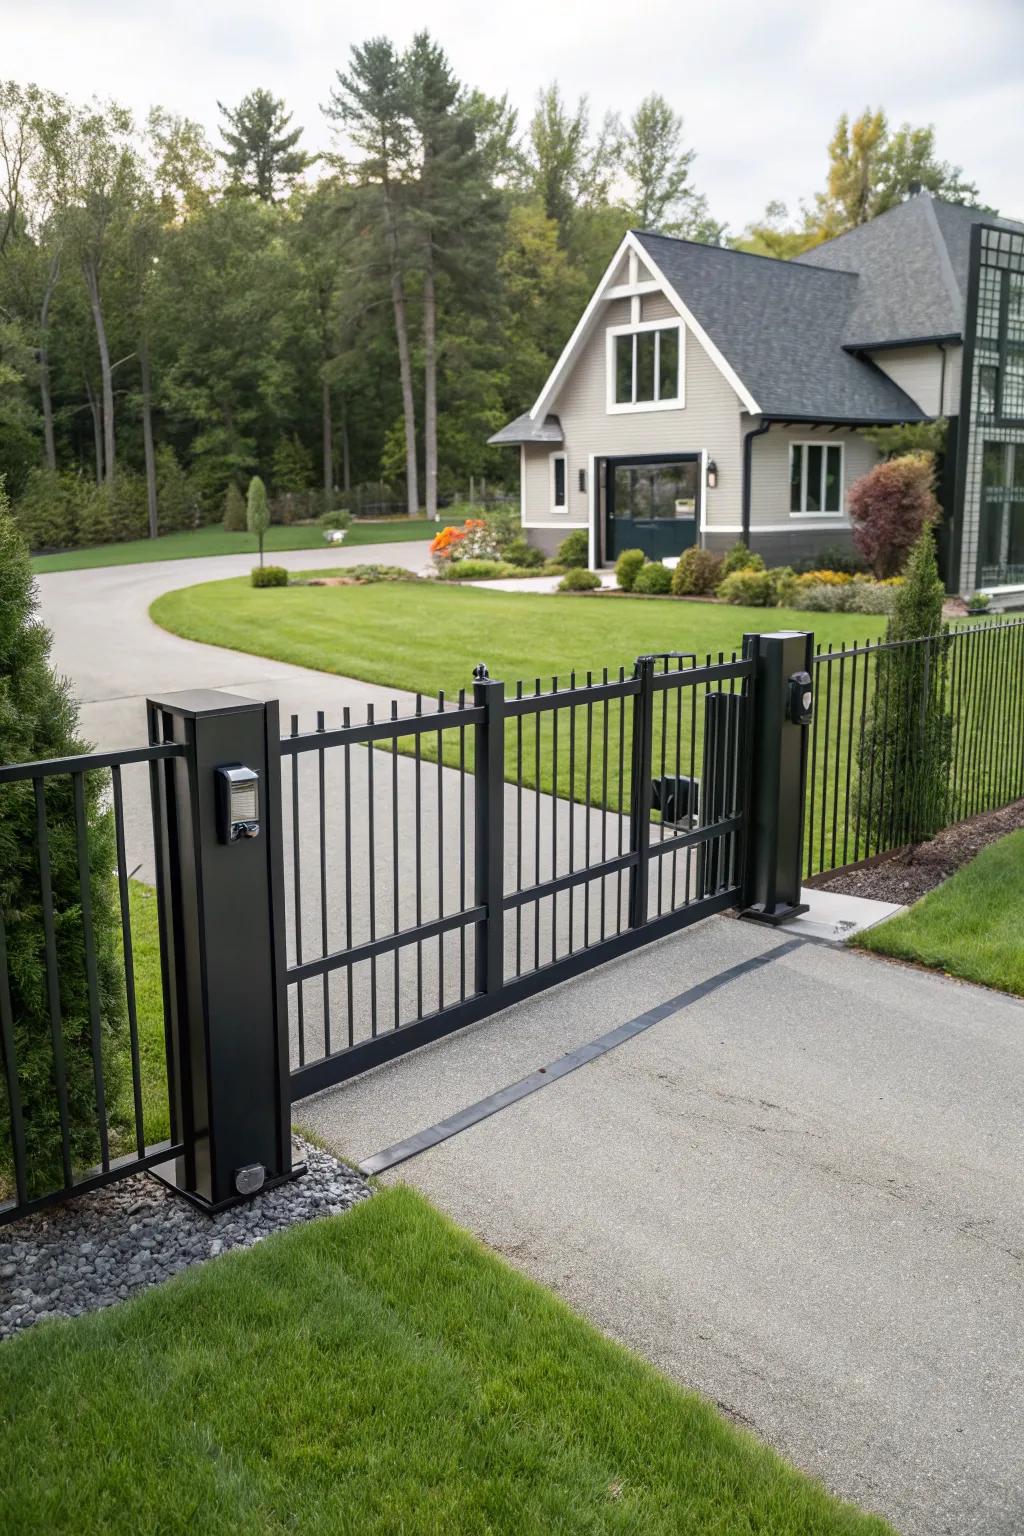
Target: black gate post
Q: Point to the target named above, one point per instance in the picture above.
(640, 795)
(220, 889)
(782, 703)
(489, 830)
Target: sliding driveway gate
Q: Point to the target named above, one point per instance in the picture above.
(334, 898)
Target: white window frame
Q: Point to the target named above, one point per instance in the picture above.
(629, 407)
(823, 444)
(559, 511)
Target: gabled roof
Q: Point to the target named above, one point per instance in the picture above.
(782, 327)
(912, 266)
(525, 430)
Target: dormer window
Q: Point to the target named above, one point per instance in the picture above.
(645, 366)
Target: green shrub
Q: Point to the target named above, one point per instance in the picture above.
(698, 573)
(373, 573)
(906, 744)
(978, 602)
(269, 576)
(116, 512)
(574, 550)
(475, 570)
(653, 578)
(50, 508)
(783, 580)
(503, 524)
(292, 465)
(177, 504)
(234, 510)
(739, 558)
(38, 719)
(257, 512)
(748, 587)
(628, 566)
(579, 579)
(525, 555)
(335, 517)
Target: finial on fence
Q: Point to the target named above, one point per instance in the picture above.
(480, 672)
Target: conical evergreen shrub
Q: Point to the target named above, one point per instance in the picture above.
(38, 719)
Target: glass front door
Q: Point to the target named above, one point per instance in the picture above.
(652, 506)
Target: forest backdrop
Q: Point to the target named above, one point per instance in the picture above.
(176, 316)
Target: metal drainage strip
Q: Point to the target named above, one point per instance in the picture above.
(483, 1108)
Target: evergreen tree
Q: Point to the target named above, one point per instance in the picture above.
(906, 748)
(257, 512)
(262, 156)
(235, 520)
(38, 719)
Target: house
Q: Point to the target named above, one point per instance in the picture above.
(708, 395)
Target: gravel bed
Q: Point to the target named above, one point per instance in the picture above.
(103, 1247)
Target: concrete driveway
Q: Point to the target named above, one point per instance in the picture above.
(802, 1194)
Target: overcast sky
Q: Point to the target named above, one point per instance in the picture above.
(759, 82)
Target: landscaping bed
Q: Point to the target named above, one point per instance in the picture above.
(911, 873)
(372, 1374)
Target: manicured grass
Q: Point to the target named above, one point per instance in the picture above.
(215, 541)
(149, 1004)
(970, 926)
(375, 1374)
(430, 637)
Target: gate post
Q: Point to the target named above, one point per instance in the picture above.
(781, 713)
(640, 790)
(489, 829)
(220, 890)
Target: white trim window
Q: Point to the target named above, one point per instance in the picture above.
(816, 479)
(645, 366)
(559, 483)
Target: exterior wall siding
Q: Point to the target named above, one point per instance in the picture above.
(708, 422)
(769, 505)
(919, 373)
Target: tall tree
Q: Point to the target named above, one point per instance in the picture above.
(872, 169)
(262, 156)
(654, 158)
(370, 104)
(569, 170)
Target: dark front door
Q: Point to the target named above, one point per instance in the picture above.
(653, 504)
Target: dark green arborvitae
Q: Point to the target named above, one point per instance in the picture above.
(906, 748)
(38, 719)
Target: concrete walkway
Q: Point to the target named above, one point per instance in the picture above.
(803, 1194)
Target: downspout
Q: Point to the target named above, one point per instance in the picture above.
(942, 378)
(748, 461)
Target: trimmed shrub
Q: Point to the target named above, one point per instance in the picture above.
(579, 579)
(628, 566)
(978, 602)
(698, 573)
(824, 579)
(890, 507)
(257, 512)
(748, 587)
(524, 555)
(38, 719)
(574, 550)
(475, 570)
(234, 510)
(335, 517)
(739, 558)
(269, 576)
(653, 579)
(907, 740)
(783, 580)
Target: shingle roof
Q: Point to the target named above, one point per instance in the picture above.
(781, 327)
(525, 430)
(912, 264)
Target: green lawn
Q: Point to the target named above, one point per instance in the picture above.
(970, 926)
(215, 541)
(374, 1374)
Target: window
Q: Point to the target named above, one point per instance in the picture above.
(645, 366)
(558, 482)
(815, 479)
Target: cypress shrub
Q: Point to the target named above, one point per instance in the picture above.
(38, 719)
(257, 511)
(176, 501)
(234, 510)
(906, 746)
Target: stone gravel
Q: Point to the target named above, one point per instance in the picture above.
(106, 1246)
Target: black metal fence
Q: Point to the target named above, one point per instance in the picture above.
(959, 696)
(471, 854)
(76, 1109)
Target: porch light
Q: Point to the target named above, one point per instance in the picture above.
(712, 474)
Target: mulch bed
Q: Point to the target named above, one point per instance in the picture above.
(913, 872)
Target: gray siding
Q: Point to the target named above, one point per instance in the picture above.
(918, 372)
(708, 422)
(769, 505)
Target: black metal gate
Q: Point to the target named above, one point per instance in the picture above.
(448, 863)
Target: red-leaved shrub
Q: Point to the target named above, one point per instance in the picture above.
(889, 506)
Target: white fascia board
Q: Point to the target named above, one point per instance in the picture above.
(580, 334)
(724, 368)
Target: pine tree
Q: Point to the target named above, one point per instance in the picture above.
(906, 748)
(257, 512)
(38, 719)
(262, 156)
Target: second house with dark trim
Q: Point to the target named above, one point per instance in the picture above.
(707, 395)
